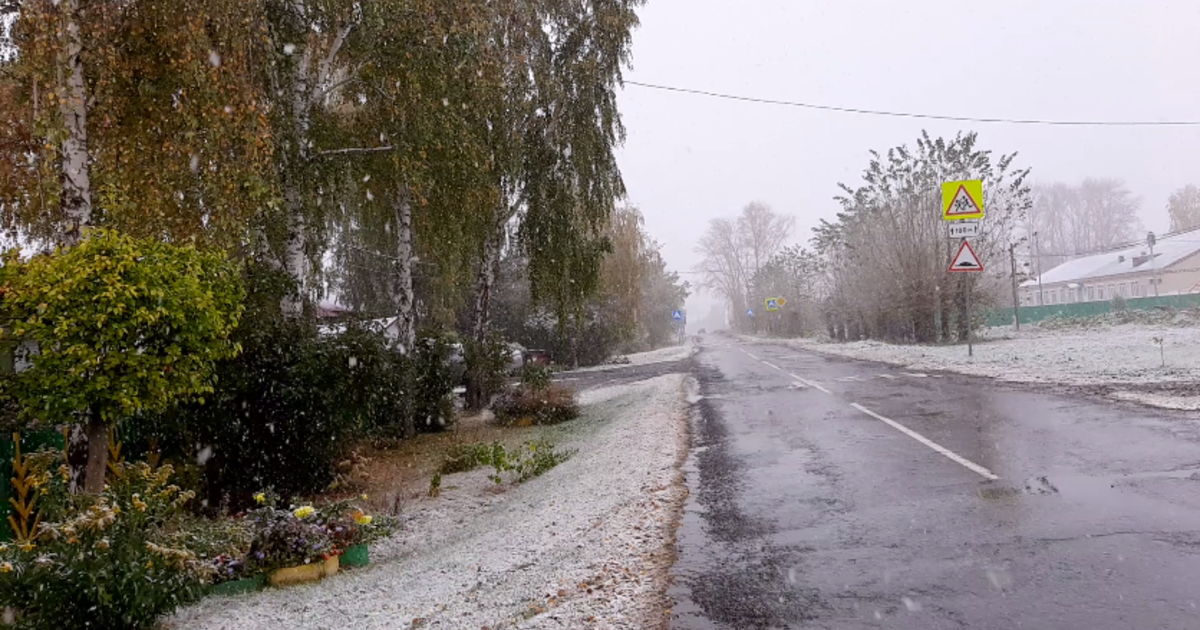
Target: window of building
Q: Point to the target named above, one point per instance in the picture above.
(1091, 294)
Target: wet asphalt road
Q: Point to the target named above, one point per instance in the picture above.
(808, 512)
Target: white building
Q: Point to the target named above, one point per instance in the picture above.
(1128, 272)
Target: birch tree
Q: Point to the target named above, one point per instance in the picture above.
(551, 134)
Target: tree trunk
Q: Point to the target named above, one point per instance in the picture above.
(402, 289)
(295, 256)
(75, 176)
(77, 458)
(485, 280)
(97, 455)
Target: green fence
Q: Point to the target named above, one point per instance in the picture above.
(1031, 314)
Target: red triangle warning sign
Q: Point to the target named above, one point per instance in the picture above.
(966, 260)
(963, 205)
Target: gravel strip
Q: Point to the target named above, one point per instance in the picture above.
(587, 545)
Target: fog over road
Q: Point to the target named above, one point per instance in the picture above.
(835, 494)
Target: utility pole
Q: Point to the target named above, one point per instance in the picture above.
(1012, 259)
(1037, 254)
(1151, 240)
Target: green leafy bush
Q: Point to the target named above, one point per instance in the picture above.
(434, 376)
(123, 326)
(103, 561)
(487, 369)
(536, 377)
(530, 460)
(527, 405)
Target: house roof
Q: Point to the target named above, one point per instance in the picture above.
(1168, 250)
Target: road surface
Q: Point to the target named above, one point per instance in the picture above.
(836, 494)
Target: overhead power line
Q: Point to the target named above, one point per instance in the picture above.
(876, 112)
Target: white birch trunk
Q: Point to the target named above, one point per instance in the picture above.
(295, 260)
(402, 289)
(75, 193)
(75, 176)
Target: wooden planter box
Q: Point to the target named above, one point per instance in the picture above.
(305, 573)
(357, 556)
(238, 587)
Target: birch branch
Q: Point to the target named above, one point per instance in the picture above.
(351, 151)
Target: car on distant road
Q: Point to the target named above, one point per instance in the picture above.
(538, 357)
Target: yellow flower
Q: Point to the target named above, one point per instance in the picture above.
(138, 503)
(6, 567)
(27, 546)
(364, 497)
(304, 512)
(362, 519)
(260, 498)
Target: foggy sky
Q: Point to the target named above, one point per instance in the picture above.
(688, 159)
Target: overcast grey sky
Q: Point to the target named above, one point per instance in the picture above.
(689, 159)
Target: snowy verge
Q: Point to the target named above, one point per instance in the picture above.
(1125, 359)
(587, 545)
(662, 355)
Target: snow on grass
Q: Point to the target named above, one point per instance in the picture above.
(662, 355)
(588, 544)
(1121, 355)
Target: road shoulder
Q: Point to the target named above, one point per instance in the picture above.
(587, 545)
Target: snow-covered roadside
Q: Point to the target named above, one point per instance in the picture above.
(1124, 358)
(587, 545)
(662, 355)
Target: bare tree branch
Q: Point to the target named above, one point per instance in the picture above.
(350, 151)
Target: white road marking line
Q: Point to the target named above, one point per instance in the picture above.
(915, 374)
(812, 384)
(983, 472)
(890, 377)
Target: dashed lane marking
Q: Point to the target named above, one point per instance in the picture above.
(970, 465)
(813, 384)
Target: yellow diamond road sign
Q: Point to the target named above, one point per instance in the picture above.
(962, 200)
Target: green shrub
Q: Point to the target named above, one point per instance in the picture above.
(526, 405)
(468, 457)
(530, 460)
(434, 376)
(487, 369)
(109, 562)
(536, 377)
(123, 326)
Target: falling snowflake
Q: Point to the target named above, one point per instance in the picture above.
(289, 49)
(214, 58)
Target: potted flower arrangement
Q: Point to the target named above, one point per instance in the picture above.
(290, 546)
(232, 576)
(353, 530)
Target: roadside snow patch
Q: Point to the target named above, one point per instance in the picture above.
(1105, 355)
(662, 355)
